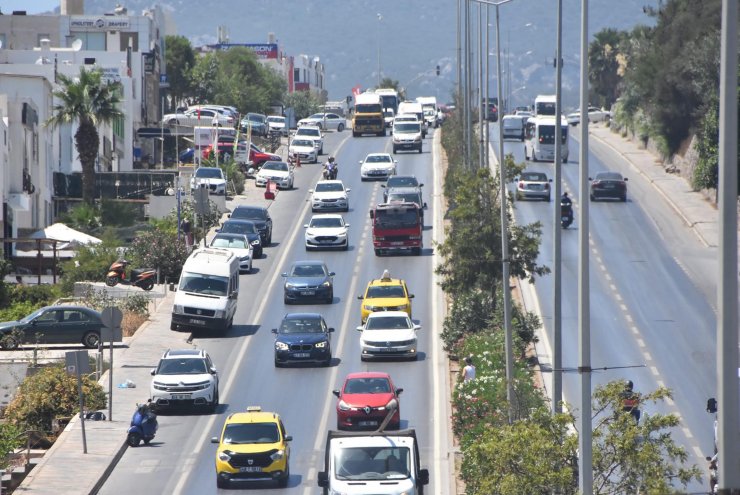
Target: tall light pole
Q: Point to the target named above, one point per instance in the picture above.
(380, 18)
(557, 325)
(504, 228)
(482, 109)
(727, 290)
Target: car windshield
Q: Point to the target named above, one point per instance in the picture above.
(378, 291)
(372, 463)
(209, 173)
(318, 116)
(249, 213)
(302, 142)
(397, 218)
(279, 166)
(328, 187)
(301, 325)
(367, 386)
(278, 120)
(229, 242)
(388, 323)
(404, 198)
(378, 159)
(253, 117)
(238, 433)
(326, 222)
(368, 108)
(204, 284)
(407, 127)
(32, 316)
(400, 180)
(304, 131)
(533, 177)
(238, 228)
(608, 176)
(191, 366)
(307, 271)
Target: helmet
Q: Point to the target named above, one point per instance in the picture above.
(629, 385)
(331, 159)
(565, 194)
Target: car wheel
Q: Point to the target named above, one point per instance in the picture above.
(215, 402)
(526, 156)
(147, 285)
(416, 251)
(269, 239)
(286, 300)
(548, 198)
(283, 481)
(362, 357)
(565, 161)
(173, 326)
(624, 198)
(221, 483)
(133, 439)
(321, 151)
(111, 281)
(327, 363)
(340, 127)
(9, 343)
(593, 198)
(419, 149)
(91, 340)
(354, 134)
(395, 150)
(346, 247)
(330, 299)
(377, 252)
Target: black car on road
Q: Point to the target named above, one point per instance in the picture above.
(302, 338)
(261, 218)
(54, 325)
(246, 227)
(608, 185)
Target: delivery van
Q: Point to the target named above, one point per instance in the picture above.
(208, 291)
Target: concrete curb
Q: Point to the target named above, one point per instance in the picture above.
(108, 470)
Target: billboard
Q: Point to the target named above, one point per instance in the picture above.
(262, 50)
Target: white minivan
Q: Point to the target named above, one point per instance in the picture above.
(513, 127)
(208, 291)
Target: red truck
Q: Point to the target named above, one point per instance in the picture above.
(397, 227)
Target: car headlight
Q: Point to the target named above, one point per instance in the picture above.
(276, 456)
(281, 346)
(326, 284)
(369, 308)
(402, 307)
(224, 455)
(342, 234)
(219, 313)
(289, 285)
(320, 345)
(343, 406)
(178, 308)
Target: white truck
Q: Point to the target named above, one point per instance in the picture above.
(377, 462)
(429, 107)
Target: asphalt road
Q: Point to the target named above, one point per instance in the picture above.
(652, 292)
(182, 457)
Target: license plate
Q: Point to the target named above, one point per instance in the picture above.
(326, 241)
(180, 396)
(301, 354)
(197, 322)
(250, 469)
(367, 423)
(388, 349)
(397, 243)
(608, 186)
(308, 292)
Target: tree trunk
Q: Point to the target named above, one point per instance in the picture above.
(87, 142)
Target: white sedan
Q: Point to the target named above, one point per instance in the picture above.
(329, 195)
(279, 173)
(326, 231)
(377, 166)
(239, 245)
(325, 121)
(305, 149)
(388, 334)
(594, 115)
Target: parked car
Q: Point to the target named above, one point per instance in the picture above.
(199, 117)
(212, 177)
(185, 377)
(239, 245)
(308, 280)
(608, 185)
(326, 231)
(364, 400)
(302, 338)
(53, 325)
(277, 124)
(279, 173)
(325, 121)
(257, 157)
(533, 185)
(595, 114)
(257, 122)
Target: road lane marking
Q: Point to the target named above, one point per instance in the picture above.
(641, 343)
(655, 372)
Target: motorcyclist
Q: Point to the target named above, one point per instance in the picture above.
(566, 206)
(631, 401)
(331, 169)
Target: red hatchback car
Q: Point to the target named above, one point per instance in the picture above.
(365, 399)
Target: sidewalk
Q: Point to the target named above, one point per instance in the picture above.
(64, 468)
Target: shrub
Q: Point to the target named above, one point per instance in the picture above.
(159, 250)
(18, 310)
(10, 439)
(49, 394)
(131, 322)
(91, 263)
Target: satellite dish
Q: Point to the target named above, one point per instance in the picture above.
(77, 45)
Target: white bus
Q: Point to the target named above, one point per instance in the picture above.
(544, 105)
(539, 139)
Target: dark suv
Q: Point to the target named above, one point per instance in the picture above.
(261, 218)
(406, 195)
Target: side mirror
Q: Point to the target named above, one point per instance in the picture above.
(284, 274)
(330, 330)
(590, 178)
(398, 391)
(335, 392)
(383, 185)
(425, 206)
(331, 274)
(423, 477)
(626, 179)
(153, 372)
(349, 188)
(346, 225)
(372, 214)
(417, 327)
(711, 405)
(289, 438)
(274, 330)
(421, 185)
(360, 298)
(411, 296)
(305, 225)
(360, 162)
(213, 370)
(310, 190)
(323, 479)
(214, 439)
(359, 329)
(218, 230)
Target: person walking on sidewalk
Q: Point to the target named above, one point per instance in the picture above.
(468, 370)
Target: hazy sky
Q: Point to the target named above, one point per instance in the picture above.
(30, 6)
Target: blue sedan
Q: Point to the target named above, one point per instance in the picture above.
(308, 280)
(302, 338)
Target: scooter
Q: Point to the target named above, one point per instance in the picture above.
(143, 425)
(143, 277)
(566, 215)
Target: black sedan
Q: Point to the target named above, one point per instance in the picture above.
(54, 325)
(399, 181)
(261, 218)
(247, 228)
(302, 338)
(308, 280)
(608, 185)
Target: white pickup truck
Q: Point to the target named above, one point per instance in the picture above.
(378, 462)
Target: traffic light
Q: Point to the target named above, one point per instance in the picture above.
(438, 70)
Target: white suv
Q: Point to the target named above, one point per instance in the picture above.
(185, 377)
(212, 177)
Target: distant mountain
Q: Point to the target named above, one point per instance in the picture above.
(415, 37)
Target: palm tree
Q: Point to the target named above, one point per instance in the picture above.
(91, 102)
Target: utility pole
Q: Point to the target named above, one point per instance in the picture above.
(727, 290)
(487, 80)
(481, 119)
(557, 322)
(380, 18)
(467, 112)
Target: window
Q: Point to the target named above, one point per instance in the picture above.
(125, 37)
(91, 41)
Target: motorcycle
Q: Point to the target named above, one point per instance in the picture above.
(713, 474)
(142, 277)
(566, 214)
(330, 172)
(143, 425)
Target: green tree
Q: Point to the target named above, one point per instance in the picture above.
(391, 83)
(203, 78)
(304, 103)
(604, 67)
(10, 439)
(49, 394)
(91, 263)
(159, 250)
(179, 61)
(89, 101)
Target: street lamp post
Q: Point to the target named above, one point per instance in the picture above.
(504, 227)
(380, 18)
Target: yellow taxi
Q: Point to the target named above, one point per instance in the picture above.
(253, 446)
(385, 294)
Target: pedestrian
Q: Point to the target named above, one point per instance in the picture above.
(631, 401)
(468, 370)
(19, 280)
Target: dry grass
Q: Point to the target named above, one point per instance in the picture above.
(131, 323)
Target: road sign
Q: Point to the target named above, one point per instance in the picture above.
(201, 200)
(77, 362)
(111, 317)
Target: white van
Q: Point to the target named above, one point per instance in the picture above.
(539, 139)
(414, 108)
(513, 127)
(208, 291)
